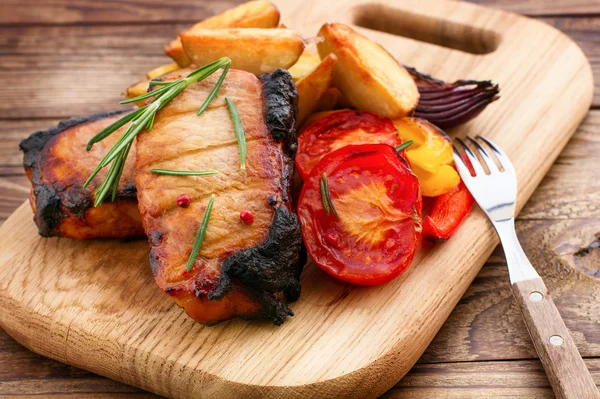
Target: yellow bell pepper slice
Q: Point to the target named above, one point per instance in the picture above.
(441, 182)
(430, 155)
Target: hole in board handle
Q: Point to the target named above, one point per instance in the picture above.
(426, 29)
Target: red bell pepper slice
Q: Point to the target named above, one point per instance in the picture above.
(447, 213)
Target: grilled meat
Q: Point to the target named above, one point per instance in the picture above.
(57, 165)
(251, 271)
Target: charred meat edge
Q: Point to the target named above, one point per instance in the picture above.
(50, 199)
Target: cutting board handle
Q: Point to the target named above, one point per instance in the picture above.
(400, 21)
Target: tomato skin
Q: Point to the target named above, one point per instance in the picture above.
(338, 129)
(378, 200)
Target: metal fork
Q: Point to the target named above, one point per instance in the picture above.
(495, 190)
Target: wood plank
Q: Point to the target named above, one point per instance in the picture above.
(109, 11)
(72, 386)
(13, 191)
(55, 71)
(544, 7)
(569, 190)
(70, 71)
(11, 134)
(499, 380)
(88, 11)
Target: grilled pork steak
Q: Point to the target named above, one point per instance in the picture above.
(251, 271)
(57, 165)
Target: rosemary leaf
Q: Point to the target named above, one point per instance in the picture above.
(120, 165)
(238, 128)
(200, 234)
(184, 172)
(214, 93)
(151, 123)
(104, 133)
(148, 95)
(163, 83)
(404, 145)
(326, 196)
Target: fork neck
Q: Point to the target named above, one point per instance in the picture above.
(519, 267)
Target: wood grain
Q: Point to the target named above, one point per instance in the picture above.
(576, 199)
(544, 7)
(341, 343)
(498, 380)
(16, 12)
(109, 11)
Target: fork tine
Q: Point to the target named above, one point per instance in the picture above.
(463, 170)
(472, 158)
(489, 162)
(502, 157)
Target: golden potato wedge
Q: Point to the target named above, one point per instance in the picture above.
(366, 74)
(161, 70)
(253, 14)
(312, 87)
(138, 89)
(328, 100)
(251, 49)
(307, 62)
(333, 99)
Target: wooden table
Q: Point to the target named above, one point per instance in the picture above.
(74, 57)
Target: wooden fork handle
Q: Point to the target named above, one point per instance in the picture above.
(569, 377)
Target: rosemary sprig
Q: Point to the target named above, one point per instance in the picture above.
(404, 145)
(238, 128)
(140, 119)
(214, 93)
(326, 197)
(200, 234)
(184, 172)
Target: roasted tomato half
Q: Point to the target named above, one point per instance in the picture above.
(338, 129)
(377, 199)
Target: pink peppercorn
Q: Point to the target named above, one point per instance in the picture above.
(332, 240)
(183, 200)
(246, 216)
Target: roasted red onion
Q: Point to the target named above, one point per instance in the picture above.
(450, 104)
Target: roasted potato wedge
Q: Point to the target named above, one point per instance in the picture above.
(332, 99)
(328, 100)
(366, 74)
(138, 89)
(307, 62)
(253, 14)
(251, 49)
(161, 70)
(312, 87)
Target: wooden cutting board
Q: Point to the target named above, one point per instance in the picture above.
(94, 304)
